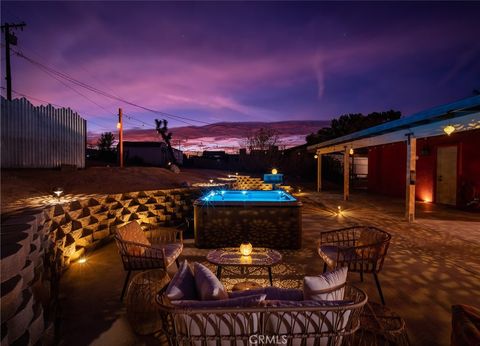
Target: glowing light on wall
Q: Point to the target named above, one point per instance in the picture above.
(449, 129)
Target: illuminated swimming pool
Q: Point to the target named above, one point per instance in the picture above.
(247, 196)
(225, 218)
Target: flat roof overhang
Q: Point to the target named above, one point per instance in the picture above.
(464, 115)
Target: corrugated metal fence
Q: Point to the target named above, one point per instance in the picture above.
(41, 137)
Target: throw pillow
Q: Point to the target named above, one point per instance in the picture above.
(328, 286)
(182, 286)
(207, 284)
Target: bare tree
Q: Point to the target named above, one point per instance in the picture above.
(263, 139)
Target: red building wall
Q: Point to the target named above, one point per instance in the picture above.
(386, 169)
(387, 165)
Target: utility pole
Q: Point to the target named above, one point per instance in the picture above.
(10, 39)
(120, 135)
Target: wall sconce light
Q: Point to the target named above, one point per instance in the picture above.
(449, 129)
(211, 181)
(316, 157)
(246, 249)
(351, 152)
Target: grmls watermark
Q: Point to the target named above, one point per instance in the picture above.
(256, 339)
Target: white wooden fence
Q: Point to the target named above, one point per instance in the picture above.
(41, 137)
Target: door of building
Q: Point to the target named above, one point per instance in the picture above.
(447, 175)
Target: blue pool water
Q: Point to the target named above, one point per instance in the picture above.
(247, 196)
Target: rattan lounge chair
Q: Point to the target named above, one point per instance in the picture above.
(140, 250)
(361, 248)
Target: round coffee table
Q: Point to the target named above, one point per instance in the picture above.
(260, 257)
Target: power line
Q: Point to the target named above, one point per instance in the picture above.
(104, 93)
(76, 91)
(80, 66)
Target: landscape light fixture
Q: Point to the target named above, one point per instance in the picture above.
(211, 181)
(449, 129)
(246, 249)
(339, 210)
(58, 192)
(274, 171)
(82, 260)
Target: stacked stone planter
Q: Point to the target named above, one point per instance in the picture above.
(60, 234)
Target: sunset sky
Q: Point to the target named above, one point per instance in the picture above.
(246, 61)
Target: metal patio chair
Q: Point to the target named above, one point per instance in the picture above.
(143, 250)
(361, 248)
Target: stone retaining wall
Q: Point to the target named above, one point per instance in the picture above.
(39, 244)
(245, 182)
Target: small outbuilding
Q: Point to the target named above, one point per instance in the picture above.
(149, 153)
(431, 156)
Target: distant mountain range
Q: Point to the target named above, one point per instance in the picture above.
(228, 136)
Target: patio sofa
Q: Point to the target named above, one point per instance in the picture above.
(262, 316)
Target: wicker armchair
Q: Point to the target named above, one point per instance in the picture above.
(361, 248)
(331, 323)
(155, 248)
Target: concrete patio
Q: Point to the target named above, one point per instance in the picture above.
(431, 264)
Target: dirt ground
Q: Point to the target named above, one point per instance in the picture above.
(22, 184)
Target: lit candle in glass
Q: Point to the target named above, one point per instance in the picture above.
(246, 249)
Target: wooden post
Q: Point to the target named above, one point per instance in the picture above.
(120, 136)
(410, 178)
(319, 172)
(346, 174)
